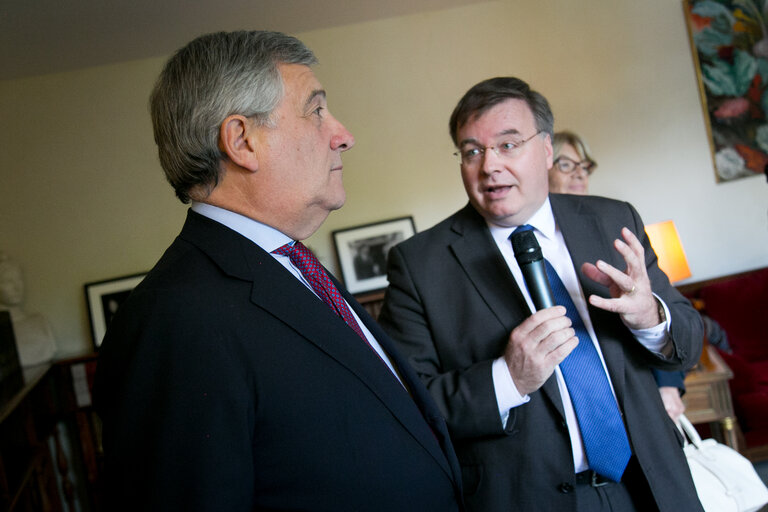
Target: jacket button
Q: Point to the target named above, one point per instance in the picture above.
(565, 488)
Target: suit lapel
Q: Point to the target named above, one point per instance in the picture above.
(281, 294)
(486, 268)
(437, 441)
(577, 224)
(289, 300)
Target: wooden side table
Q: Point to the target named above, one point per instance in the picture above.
(708, 399)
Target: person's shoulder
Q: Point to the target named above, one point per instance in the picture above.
(588, 203)
(440, 234)
(183, 273)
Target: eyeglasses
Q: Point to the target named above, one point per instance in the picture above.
(566, 165)
(505, 149)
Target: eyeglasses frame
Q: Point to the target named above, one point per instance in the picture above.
(590, 165)
(483, 149)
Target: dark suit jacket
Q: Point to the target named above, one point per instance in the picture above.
(670, 379)
(451, 304)
(224, 384)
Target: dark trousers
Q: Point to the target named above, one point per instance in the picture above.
(632, 494)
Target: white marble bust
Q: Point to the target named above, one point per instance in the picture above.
(34, 339)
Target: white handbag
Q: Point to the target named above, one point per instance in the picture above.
(725, 480)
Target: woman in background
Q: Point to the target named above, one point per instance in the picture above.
(573, 164)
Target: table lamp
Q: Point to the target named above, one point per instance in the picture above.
(666, 243)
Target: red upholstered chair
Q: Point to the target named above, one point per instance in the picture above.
(739, 303)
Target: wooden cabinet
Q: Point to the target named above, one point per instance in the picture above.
(27, 470)
(49, 441)
(708, 399)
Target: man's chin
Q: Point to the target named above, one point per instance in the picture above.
(500, 217)
(336, 205)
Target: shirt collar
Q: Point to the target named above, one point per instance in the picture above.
(543, 220)
(266, 237)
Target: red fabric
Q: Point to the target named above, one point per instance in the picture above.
(756, 438)
(743, 380)
(752, 410)
(739, 305)
(315, 274)
(760, 373)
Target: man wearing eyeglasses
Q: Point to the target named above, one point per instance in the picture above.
(553, 410)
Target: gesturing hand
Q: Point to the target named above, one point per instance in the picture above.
(631, 295)
(537, 345)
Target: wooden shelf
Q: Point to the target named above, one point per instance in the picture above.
(708, 399)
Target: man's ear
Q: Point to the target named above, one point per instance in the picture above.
(549, 151)
(237, 141)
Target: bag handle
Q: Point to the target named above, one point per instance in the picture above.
(689, 431)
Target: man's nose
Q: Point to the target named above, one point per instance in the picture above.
(343, 140)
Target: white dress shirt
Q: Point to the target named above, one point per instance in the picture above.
(554, 249)
(269, 239)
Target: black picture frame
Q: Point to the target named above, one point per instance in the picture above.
(362, 252)
(103, 298)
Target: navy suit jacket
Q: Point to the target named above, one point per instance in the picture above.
(225, 384)
(451, 305)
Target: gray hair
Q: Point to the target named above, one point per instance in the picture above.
(489, 93)
(212, 77)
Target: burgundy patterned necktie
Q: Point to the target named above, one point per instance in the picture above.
(313, 271)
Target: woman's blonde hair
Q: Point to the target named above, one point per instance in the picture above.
(565, 137)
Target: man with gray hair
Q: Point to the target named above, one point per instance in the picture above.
(239, 375)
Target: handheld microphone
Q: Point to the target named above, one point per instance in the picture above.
(531, 260)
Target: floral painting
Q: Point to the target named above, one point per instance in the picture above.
(730, 45)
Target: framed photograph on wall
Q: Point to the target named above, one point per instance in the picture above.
(729, 42)
(103, 298)
(362, 252)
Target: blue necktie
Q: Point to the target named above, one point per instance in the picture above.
(602, 428)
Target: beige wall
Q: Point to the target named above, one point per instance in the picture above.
(82, 197)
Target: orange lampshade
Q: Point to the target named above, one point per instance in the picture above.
(666, 244)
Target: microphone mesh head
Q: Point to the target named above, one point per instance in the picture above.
(526, 247)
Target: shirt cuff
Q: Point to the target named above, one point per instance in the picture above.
(656, 338)
(507, 395)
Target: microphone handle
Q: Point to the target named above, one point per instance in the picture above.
(535, 276)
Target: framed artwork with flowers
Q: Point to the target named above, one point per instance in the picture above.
(729, 42)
